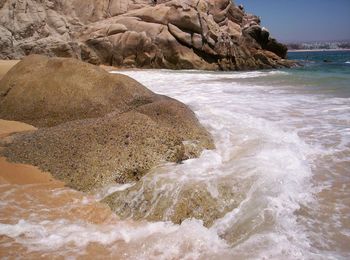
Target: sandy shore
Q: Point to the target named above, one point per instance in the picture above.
(15, 173)
(113, 68)
(30, 195)
(10, 127)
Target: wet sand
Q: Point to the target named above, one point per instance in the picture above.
(15, 173)
(30, 194)
(9, 127)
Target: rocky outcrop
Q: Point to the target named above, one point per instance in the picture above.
(97, 128)
(184, 35)
(36, 27)
(191, 34)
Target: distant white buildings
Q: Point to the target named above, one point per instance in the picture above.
(319, 45)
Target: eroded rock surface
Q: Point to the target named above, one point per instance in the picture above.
(176, 34)
(96, 128)
(158, 198)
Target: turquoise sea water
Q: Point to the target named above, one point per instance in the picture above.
(321, 72)
(326, 70)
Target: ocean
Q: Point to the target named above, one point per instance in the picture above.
(282, 149)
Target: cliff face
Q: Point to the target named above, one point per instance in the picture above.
(177, 34)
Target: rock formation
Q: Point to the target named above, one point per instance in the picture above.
(176, 34)
(156, 199)
(97, 128)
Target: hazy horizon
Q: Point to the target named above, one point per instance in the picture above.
(303, 21)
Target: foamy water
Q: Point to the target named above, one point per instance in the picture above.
(282, 150)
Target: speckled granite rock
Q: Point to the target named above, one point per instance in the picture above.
(97, 128)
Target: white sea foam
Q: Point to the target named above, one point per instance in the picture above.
(52, 235)
(269, 133)
(111, 189)
(160, 239)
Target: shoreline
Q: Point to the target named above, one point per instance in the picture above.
(19, 173)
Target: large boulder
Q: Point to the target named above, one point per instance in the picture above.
(175, 34)
(45, 92)
(97, 128)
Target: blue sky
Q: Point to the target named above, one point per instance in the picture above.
(303, 20)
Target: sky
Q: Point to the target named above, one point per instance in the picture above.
(303, 20)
